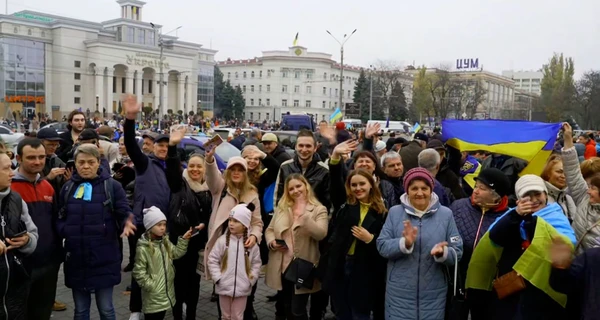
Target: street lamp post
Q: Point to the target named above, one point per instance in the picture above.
(161, 44)
(344, 39)
(371, 94)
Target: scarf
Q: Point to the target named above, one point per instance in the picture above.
(196, 186)
(501, 206)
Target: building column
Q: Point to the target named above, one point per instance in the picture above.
(191, 96)
(129, 81)
(155, 91)
(181, 93)
(110, 72)
(99, 94)
(138, 86)
(166, 105)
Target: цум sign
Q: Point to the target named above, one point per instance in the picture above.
(467, 64)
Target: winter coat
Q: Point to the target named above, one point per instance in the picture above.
(151, 187)
(234, 280)
(410, 155)
(317, 174)
(66, 144)
(221, 207)
(416, 284)
(587, 216)
(267, 178)
(449, 179)
(40, 199)
(91, 232)
(590, 149)
(280, 155)
(15, 271)
(580, 282)
(368, 275)
(154, 271)
(52, 162)
(563, 198)
(443, 193)
(306, 233)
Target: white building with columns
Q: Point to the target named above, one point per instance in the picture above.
(56, 64)
(293, 80)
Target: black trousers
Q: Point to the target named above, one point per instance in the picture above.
(135, 299)
(294, 304)
(43, 291)
(155, 316)
(187, 286)
(250, 303)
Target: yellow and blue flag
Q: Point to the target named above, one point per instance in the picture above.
(530, 141)
(337, 114)
(416, 127)
(296, 39)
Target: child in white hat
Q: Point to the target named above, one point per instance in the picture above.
(234, 268)
(153, 269)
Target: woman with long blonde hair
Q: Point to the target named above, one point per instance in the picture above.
(299, 223)
(228, 190)
(356, 272)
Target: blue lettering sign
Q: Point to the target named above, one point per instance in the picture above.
(467, 63)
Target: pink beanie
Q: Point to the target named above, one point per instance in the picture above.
(237, 160)
(418, 173)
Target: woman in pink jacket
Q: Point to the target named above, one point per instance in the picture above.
(234, 268)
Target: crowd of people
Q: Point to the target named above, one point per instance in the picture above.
(408, 228)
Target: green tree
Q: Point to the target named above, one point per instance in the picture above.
(239, 103)
(361, 95)
(558, 87)
(225, 109)
(397, 101)
(220, 101)
(588, 100)
(422, 101)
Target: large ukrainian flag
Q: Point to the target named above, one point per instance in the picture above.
(530, 141)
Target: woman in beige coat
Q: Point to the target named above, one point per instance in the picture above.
(301, 222)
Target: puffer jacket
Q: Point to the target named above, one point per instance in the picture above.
(154, 271)
(416, 284)
(234, 280)
(586, 220)
(563, 198)
(222, 203)
(316, 173)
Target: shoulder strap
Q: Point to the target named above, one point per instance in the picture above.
(223, 194)
(108, 191)
(63, 210)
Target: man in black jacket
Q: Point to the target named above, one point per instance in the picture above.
(272, 147)
(309, 164)
(76, 125)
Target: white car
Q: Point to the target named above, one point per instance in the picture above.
(10, 138)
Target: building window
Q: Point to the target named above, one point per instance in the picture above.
(236, 75)
(259, 116)
(252, 88)
(77, 64)
(267, 116)
(308, 89)
(228, 75)
(268, 73)
(78, 76)
(43, 34)
(251, 102)
(308, 103)
(251, 115)
(260, 102)
(336, 92)
(130, 34)
(141, 36)
(123, 85)
(268, 102)
(284, 88)
(77, 88)
(325, 75)
(324, 91)
(252, 74)
(260, 88)
(285, 74)
(244, 89)
(324, 104)
(260, 74)
(244, 74)
(330, 90)
(349, 94)
(309, 76)
(268, 88)
(329, 104)
(297, 74)
(29, 32)
(296, 103)
(284, 103)
(77, 100)
(114, 85)
(335, 104)
(151, 38)
(296, 89)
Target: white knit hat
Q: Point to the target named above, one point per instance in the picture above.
(529, 182)
(152, 216)
(243, 213)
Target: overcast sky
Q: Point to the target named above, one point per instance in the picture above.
(503, 34)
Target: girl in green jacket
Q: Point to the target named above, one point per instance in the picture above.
(153, 268)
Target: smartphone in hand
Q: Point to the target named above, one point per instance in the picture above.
(281, 242)
(213, 142)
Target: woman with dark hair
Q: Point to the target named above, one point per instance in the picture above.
(355, 271)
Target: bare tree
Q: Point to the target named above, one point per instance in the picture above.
(587, 97)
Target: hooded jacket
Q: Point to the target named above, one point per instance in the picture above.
(317, 174)
(91, 232)
(234, 280)
(154, 271)
(416, 283)
(563, 198)
(280, 154)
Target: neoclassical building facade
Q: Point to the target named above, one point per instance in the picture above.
(56, 64)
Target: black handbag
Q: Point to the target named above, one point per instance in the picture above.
(456, 306)
(301, 272)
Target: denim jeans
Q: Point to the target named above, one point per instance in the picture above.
(104, 302)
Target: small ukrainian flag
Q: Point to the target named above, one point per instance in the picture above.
(416, 127)
(335, 116)
(296, 39)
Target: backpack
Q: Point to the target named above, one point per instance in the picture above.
(108, 191)
(268, 199)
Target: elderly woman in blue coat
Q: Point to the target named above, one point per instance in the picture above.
(419, 239)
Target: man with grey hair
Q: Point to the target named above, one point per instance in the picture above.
(391, 163)
(254, 139)
(430, 160)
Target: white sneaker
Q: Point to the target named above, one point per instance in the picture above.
(135, 316)
(183, 308)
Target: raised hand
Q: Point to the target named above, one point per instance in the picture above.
(130, 106)
(372, 129)
(177, 134)
(524, 206)
(410, 234)
(344, 148)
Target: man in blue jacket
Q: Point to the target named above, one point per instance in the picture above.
(39, 196)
